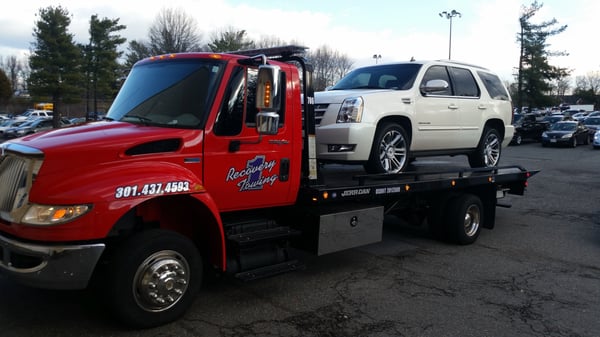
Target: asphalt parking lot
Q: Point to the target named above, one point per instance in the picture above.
(536, 274)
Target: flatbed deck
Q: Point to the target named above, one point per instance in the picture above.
(350, 182)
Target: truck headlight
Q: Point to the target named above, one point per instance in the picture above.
(46, 215)
(351, 110)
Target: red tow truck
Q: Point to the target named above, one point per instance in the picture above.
(207, 162)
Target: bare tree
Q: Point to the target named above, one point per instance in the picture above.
(274, 41)
(329, 66)
(562, 85)
(590, 81)
(173, 31)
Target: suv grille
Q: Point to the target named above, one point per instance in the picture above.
(319, 112)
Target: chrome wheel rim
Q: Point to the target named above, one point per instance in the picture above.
(392, 151)
(161, 281)
(472, 220)
(491, 151)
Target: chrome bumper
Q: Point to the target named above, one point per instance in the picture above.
(49, 266)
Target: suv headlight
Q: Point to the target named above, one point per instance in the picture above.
(351, 110)
(47, 215)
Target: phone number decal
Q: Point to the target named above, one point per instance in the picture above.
(132, 191)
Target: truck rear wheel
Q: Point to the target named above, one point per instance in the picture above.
(155, 277)
(465, 216)
(389, 152)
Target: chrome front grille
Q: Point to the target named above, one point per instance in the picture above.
(13, 178)
(19, 165)
(320, 112)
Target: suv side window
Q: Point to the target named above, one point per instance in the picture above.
(463, 82)
(437, 73)
(493, 85)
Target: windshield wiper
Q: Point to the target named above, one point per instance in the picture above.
(145, 120)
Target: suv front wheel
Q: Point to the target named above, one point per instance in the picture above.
(389, 153)
(488, 151)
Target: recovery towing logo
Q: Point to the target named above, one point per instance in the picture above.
(255, 175)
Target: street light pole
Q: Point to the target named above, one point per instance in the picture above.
(376, 57)
(449, 16)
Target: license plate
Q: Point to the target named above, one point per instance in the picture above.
(552, 140)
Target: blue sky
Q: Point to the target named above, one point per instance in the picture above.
(485, 34)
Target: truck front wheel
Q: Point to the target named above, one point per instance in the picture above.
(155, 277)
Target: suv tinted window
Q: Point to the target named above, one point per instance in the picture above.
(437, 73)
(389, 76)
(494, 86)
(463, 82)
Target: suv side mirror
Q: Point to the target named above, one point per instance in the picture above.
(433, 86)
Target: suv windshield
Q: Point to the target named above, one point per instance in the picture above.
(174, 93)
(389, 76)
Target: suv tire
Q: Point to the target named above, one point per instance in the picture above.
(389, 153)
(488, 151)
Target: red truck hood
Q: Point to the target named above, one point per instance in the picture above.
(102, 142)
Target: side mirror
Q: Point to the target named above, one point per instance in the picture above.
(267, 123)
(435, 86)
(268, 93)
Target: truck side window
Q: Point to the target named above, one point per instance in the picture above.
(229, 118)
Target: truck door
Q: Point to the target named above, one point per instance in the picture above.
(243, 170)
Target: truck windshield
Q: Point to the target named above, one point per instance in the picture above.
(173, 93)
(389, 76)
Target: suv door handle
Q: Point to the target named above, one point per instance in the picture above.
(481, 107)
(453, 106)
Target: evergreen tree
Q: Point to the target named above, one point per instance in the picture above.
(55, 61)
(102, 67)
(5, 88)
(230, 40)
(535, 73)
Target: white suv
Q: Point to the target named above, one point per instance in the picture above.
(382, 116)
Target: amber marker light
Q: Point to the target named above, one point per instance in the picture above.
(325, 195)
(453, 183)
(267, 96)
(407, 188)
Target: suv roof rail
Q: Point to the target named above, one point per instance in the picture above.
(464, 64)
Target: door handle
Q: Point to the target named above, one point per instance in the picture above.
(452, 106)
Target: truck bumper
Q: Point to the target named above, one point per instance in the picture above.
(49, 266)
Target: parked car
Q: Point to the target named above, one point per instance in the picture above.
(30, 114)
(571, 133)
(529, 128)
(596, 140)
(592, 123)
(5, 125)
(34, 126)
(580, 116)
(593, 114)
(555, 118)
(385, 115)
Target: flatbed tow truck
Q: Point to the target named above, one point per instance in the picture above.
(206, 162)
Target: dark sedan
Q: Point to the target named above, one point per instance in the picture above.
(529, 128)
(570, 133)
